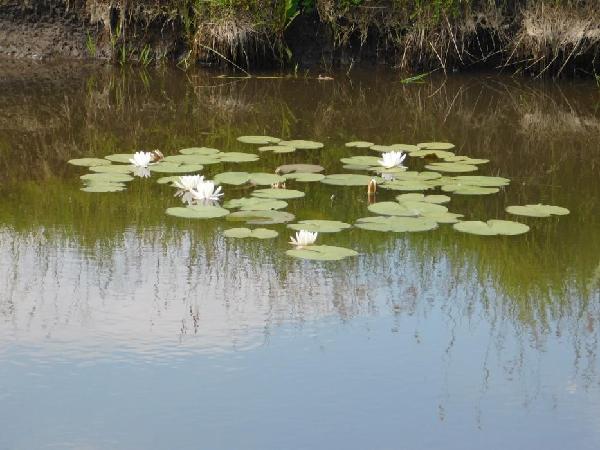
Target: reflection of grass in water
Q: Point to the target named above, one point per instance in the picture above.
(540, 272)
(543, 273)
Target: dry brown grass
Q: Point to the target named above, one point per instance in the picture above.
(552, 36)
(234, 37)
(538, 36)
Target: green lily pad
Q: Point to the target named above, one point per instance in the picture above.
(265, 179)
(104, 187)
(382, 148)
(264, 233)
(424, 208)
(116, 168)
(417, 176)
(396, 224)
(278, 149)
(410, 185)
(467, 189)
(321, 253)
(439, 199)
(361, 160)
(171, 167)
(279, 194)
(198, 212)
(237, 157)
(306, 168)
(491, 227)
(240, 233)
(168, 180)
(320, 226)
(436, 145)
(479, 180)
(304, 177)
(234, 178)
(255, 204)
(205, 151)
(443, 217)
(440, 154)
(257, 233)
(451, 167)
(408, 148)
(120, 158)
(259, 140)
(107, 177)
(192, 159)
(88, 162)
(359, 144)
(260, 217)
(538, 210)
(349, 179)
(391, 209)
(302, 144)
(466, 160)
(407, 208)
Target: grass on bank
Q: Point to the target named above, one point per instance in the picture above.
(533, 36)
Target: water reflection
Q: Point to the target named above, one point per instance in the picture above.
(108, 278)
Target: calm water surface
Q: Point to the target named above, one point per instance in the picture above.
(123, 328)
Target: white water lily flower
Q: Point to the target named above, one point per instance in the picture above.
(186, 184)
(392, 159)
(189, 182)
(304, 238)
(205, 191)
(186, 196)
(141, 159)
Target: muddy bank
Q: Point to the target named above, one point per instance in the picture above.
(42, 30)
(539, 37)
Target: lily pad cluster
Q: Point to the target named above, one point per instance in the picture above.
(109, 174)
(102, 178)
(420, 205)
(410, 212)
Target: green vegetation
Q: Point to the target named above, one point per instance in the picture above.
(534, 36)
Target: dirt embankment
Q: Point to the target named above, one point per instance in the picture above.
(82, 29)
(41, 29)
(542, 37)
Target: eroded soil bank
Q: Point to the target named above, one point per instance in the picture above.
(540, 37)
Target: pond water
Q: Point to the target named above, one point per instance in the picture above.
(124, 328)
